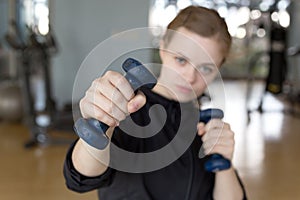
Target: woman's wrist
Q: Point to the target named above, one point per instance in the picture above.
(88, 160)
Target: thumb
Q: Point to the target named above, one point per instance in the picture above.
(201, 128)
(136, 102)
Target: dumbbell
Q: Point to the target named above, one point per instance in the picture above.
(93, 131)
(215, 162)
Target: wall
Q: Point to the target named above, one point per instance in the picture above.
(8, 56)
(79, 26)
(3, 29)
(3, 18)
(294, 40)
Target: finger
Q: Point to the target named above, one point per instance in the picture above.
(89, 110)
(109, 107)
(214, 142)
(213, 124)
(107, 89)
(212, 133)
(120, 82)
(224, 151)
(97, 106)
(201, 128)
(218, 133)
(137, 102)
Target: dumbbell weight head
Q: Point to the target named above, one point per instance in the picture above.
(91, 130)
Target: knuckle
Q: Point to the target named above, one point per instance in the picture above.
(81, 103)
(112, 75)
(225, 126)
(233, 143)
(108, 73)
(231, 134)
(95, 83)
(82, 107)
(228, 126)
(122, 81)
(109, 110)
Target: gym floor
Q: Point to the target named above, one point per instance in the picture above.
(267, 153)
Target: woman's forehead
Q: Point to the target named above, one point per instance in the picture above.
(195, 46)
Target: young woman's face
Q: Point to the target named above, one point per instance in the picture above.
(189, 63)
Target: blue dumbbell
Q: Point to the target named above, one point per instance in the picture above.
(91, 130)
(215, 162)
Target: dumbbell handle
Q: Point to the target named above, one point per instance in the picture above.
(215, 162)
(91, 130)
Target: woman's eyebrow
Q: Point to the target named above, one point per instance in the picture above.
(184, 56)
(207, 63)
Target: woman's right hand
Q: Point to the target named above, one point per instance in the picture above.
(110, 99)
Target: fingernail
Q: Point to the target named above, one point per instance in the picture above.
(117, 123)
(201, 124)
(133, 107)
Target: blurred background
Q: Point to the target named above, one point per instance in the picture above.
(44, 42)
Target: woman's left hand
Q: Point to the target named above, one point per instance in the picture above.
(217, 137)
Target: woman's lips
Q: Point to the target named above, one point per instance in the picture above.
(184, 89)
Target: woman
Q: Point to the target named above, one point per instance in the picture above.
(194, 47)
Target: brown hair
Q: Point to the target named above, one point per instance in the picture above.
(204, 22)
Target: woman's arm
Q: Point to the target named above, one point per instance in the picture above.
(109, 100)
(227, 186)
(218, 137)
(88, 160)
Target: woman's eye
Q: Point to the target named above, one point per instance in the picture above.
(181, 61)
(204, 69)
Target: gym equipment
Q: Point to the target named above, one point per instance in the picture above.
(277, 82)
(35, 51)
(11, 105)
(215, 162)
(277, 70)
(91, 130)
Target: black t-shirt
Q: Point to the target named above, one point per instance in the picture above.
(177, 174)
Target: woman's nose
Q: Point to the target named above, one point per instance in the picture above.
(189, 73)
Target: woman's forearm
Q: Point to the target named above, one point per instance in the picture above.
(90, 161)
(227, 186)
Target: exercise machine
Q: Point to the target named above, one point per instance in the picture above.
(40, 110)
